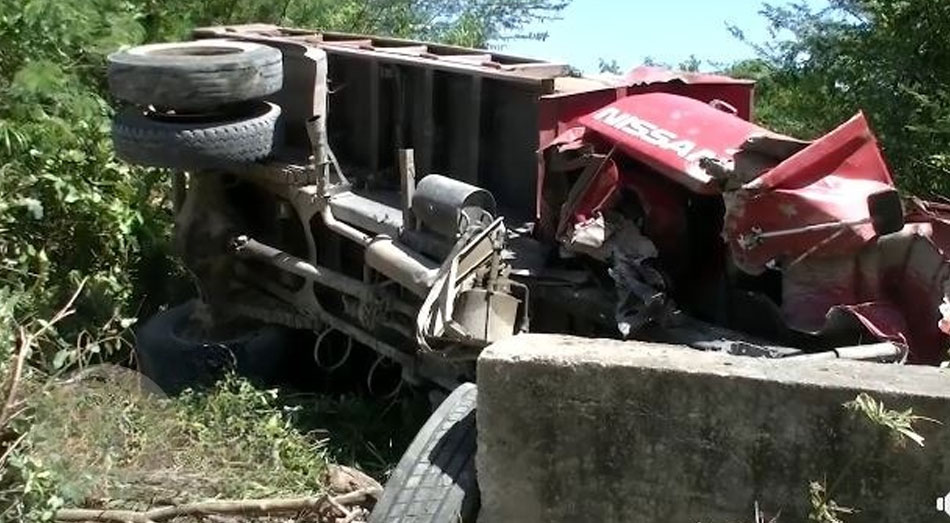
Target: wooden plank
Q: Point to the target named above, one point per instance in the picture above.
(358, 43)
(359, 46)
(466, 58)
(436, 48)
(465, 95)
(423, 125)
(375, 41)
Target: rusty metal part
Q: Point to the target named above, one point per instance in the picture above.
(324, 343)
(344, 229)
(427, 244)
(401, 265)
(439, 201)
(368, 211)
(322, 319)
(486, 316)
(376, 383)
(477, 246)
(246, 246)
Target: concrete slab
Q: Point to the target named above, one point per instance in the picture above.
(575, 429)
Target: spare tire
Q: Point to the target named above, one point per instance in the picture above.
(195, 76)
(191, 143)
(435, 480)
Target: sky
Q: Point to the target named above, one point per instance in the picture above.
(668, 31)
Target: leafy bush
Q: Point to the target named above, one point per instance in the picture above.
(885, 58)
(69, 209)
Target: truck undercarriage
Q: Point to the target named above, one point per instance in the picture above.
(424, 201)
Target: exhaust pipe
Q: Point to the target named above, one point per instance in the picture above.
(881, 352)
(401, 264)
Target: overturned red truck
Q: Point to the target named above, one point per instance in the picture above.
(420, 201)
(404, 204)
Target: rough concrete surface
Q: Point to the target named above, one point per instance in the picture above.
(574, 430)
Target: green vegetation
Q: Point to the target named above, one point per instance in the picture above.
(100, 440)
(896, 426)
(899, 425)
(885, 58)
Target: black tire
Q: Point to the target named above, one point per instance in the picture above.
(193, 143)
(435, 480)
(175, 362)
(195, 76)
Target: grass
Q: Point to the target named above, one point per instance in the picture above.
(899, 424)
(103, 442)
(103, 439)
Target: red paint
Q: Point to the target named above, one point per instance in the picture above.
(892, 286)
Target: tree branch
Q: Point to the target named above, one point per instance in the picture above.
(253, 507)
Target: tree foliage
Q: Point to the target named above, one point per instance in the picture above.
(887, 58)
(463, 22)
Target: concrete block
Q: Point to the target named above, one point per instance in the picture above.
(575, 429)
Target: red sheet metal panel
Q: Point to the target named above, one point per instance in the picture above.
(671, 134)
(828, 181)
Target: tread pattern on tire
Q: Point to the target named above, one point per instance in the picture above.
(189, 83)
(141, 140)
(435, 481)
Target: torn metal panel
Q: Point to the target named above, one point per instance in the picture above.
(671, 134)
(829, 181)
(642, 296)
(641, 288)
(895, 288)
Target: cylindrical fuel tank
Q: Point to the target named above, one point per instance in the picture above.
(439, 201)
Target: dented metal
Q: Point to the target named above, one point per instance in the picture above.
(644, 207)
(819, 213)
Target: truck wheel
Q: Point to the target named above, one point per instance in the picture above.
(195, 142)
(435, 481)
(195, 76)
(174, 361)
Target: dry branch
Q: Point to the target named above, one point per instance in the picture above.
(24, 344)
(10, 390)
(253, 507)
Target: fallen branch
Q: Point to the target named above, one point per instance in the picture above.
(357, 513)
(258, 507)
